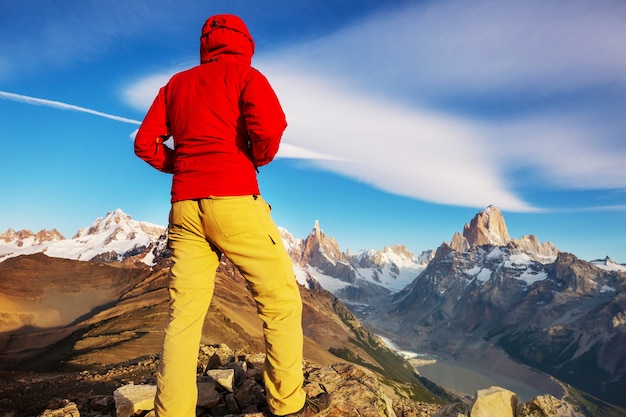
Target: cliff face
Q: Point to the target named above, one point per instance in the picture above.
(487, 228)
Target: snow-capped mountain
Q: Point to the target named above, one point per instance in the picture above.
(489, 228)
(115, 237)
(352, 277)
(484, 292)
(503, 298)
(394, 267)
(609, 265)
(371, 276)
(12, 240)
(359, 277)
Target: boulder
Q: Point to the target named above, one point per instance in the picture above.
(494, 402)
(68, 410)
(130, 399)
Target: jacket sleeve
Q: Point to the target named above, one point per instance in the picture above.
(265, 119)
(152, 133)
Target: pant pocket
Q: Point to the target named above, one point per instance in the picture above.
(234, 216)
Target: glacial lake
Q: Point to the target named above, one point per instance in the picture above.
(462, 377)
(466, 379)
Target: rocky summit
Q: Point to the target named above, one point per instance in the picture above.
(487, 228)
(230, 384)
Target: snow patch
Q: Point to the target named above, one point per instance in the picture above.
(606, 288)
(481, 274)
(530, 277)
(609, 265)
(518, 260)
(495, 253)
(326, 281)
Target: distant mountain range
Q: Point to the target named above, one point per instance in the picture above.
(118, 238)
(504, 303)
(115, 237)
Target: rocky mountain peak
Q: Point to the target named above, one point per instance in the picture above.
(541, 251)
(317, 230)
(396, 254)
(116, 219)
(398, 249)
(318, 244)
(115, 237)
(487, 228)
(24, 238)
(459, 243)
(324, 254)
(47, 236)
(111, 220)
(119, 223)
(609, 264)
(12, 236)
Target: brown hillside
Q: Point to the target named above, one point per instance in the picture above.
(126, 318)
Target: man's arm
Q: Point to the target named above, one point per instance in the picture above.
(152, 133)
(265, 119)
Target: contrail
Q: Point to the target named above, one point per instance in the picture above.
(63, 106)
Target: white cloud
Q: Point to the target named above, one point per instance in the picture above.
(500, 52)
(562, 151)
(352, 99)
(453, 46)
(141, 93)
(288, 150)
(406, 151)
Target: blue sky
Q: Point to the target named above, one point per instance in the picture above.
(406, 118)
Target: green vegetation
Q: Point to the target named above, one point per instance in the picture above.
(591, 405)
(556, 356)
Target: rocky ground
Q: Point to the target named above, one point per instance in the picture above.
(24, 394)
(355, 390)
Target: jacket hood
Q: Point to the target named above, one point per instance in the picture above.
(225, 36)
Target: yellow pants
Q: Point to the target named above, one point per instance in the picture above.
(242, 229)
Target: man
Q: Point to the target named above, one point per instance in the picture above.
(225, 121)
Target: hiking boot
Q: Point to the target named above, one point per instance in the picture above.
(312, 406)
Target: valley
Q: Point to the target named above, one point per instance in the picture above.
(466, 378)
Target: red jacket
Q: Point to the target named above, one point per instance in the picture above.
(223, 115)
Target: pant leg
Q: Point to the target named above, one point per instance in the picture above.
(192, 278)
(241, 227)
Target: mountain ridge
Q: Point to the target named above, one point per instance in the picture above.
(115, 237)
(118, 237)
